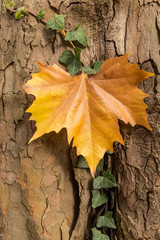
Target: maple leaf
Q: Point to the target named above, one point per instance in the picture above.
(88, 106)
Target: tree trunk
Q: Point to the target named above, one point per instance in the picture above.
(42, 196)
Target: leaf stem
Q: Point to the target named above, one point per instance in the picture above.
(81, 68)
(11, 10)
(29, 12)
(34, 15)
(62, 32)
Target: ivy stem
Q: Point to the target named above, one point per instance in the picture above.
(11, 10)
(98, 215)
(81, 68)
(62, 32)
(29, 12)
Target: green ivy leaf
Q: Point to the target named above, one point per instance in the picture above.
(56, 23)
(88, 70)
(107, 174)
(97, 66)
(40, 15)
(77, 35)
(20, 13)
(105, 181)
(100, 165)
(77, 53)
(97, 235)
(9, 4)
(95, 69)
(67, 57)
(74, 67)
(73, 64)
(106, 221)
(98, 199)
(82, 162)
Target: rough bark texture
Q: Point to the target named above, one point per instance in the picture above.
(41, 196)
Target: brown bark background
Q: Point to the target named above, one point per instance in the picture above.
(42, 197)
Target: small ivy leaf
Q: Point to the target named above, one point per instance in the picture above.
(21, 9)
(82, 162)
(56, 23)
(97, 235)
(9, 4)
(67, 57)
(40, 15)
(88, 70)
(97, 66)
(99, 182)
(107, 174)
(20, 13)
(74, 67)
(77, 53)
(106, 221)
(95, 69)
(73, 64)
(100, 165)
(105, 181)
(98, 199)
(77, 35)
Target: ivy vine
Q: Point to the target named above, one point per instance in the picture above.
(101, 184)
(72, 60)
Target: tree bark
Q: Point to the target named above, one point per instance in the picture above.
(42, 196)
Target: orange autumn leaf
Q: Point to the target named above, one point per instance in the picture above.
(88, 106)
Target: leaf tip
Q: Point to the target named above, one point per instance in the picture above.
(150, 74)
(93, 172)
(32, 138)
(30, 141)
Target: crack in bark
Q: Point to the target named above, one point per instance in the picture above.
(76, 3)
(76, 205)
(53, 8)
(155, 69)
(148, 201)
(126, 23)
(60, 5)
(115, 47)
(158, 29)
(53, 41)
(114, 13)
(61, 233)
(42, 223)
